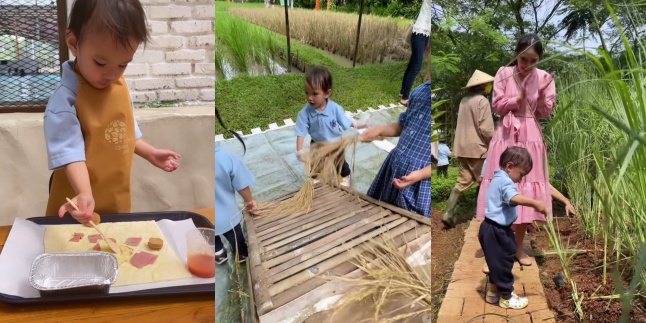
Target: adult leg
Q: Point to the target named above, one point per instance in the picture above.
(463, 183)
(418, 46)
(522, 256)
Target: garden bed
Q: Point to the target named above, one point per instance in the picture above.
(587, 272)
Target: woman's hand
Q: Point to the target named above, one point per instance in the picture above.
(164, 159)
(546, 82)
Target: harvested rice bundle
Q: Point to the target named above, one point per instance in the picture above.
(302, 201)
(388, 275)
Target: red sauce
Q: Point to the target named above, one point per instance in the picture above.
(202, 265)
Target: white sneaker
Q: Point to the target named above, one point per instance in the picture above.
(515, 302)
(345, 182)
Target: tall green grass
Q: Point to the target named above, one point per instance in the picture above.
(597, 139)
(247, 46)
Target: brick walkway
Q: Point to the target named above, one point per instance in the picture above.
(464, 299)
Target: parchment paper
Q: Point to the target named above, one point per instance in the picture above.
(25, 243)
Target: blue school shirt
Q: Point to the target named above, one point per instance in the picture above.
(231, 175)
(63, 136)
(323, 126)
(499, 194)
(443, 153)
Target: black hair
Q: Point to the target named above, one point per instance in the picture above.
(235, 134)
(319, 77)
(518, 156)
(122, 19)
(525, 42)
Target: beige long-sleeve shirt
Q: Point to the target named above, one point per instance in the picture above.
(474, 128)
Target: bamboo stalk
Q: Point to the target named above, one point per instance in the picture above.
(260, 287)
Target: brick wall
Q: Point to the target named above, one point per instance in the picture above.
(178, 64)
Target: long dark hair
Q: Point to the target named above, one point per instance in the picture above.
(525, 42)
(217, 116)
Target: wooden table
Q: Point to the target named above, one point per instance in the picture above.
(160, 309)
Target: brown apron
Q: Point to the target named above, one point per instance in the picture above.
(108, 127)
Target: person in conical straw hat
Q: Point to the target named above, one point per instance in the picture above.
(473, 132)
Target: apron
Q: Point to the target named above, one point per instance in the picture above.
(108, 128)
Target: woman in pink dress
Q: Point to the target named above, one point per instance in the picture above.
(522, 94)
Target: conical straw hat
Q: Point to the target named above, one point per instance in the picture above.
(479, 78)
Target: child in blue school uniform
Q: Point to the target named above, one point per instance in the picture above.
(496, 236)
(231, 176)
(443, 152)
(404, 179)
(323, 119)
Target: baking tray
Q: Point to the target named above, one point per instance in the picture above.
(203, 289)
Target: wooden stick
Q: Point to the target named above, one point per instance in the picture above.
(312, 258)
(331, 263)
(351, 231)
(321, 233)
(291, 236)
(259, 286)
(289, 295)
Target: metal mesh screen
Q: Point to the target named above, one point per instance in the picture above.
(29, 52)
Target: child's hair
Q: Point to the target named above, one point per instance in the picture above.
(122, 19)
(319, 77)
(518, 156)
(525, 42)
(235, 134)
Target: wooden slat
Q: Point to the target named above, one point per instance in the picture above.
(343, 269)
(266, 218)
(314, 236)
(312, 258)
(259, 286)
(331, 263)
(337, 237)
(340, 205)
(305, 233)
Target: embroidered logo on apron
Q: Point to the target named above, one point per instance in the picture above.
(116, 134)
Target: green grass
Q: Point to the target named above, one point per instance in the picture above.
(247, 44)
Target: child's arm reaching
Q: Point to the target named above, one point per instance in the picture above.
(160, 158)
(525, 201)
(302, 129)
(413, 177)
(79, 178)
(299, 148)
(249, 203)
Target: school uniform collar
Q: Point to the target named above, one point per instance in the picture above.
(500, 173)
(313, 112)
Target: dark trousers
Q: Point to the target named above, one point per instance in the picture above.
(418, 45)
(345, 168)
(499, 246)
(443, 170)
(234, 236)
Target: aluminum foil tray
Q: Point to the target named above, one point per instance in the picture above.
(57, 274)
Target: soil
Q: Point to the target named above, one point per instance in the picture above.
(587, 272)
(445, 250)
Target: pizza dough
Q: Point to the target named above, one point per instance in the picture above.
(166, 267)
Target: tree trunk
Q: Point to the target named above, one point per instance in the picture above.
(329, 5)
(318, 5)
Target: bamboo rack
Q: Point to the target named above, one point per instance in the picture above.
(292, 255)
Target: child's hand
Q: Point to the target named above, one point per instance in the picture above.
(251, 207)
(371, 135)
(299, 156)
(85, 203)
(163, 159)
(539, 206)
(407, 180)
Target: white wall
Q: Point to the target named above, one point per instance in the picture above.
(178, 65)
(186, 130)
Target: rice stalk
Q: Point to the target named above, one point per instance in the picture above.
(302, 201)
(387, 273)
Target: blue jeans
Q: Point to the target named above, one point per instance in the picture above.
(418, 45)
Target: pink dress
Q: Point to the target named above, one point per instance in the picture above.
(519, 127)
